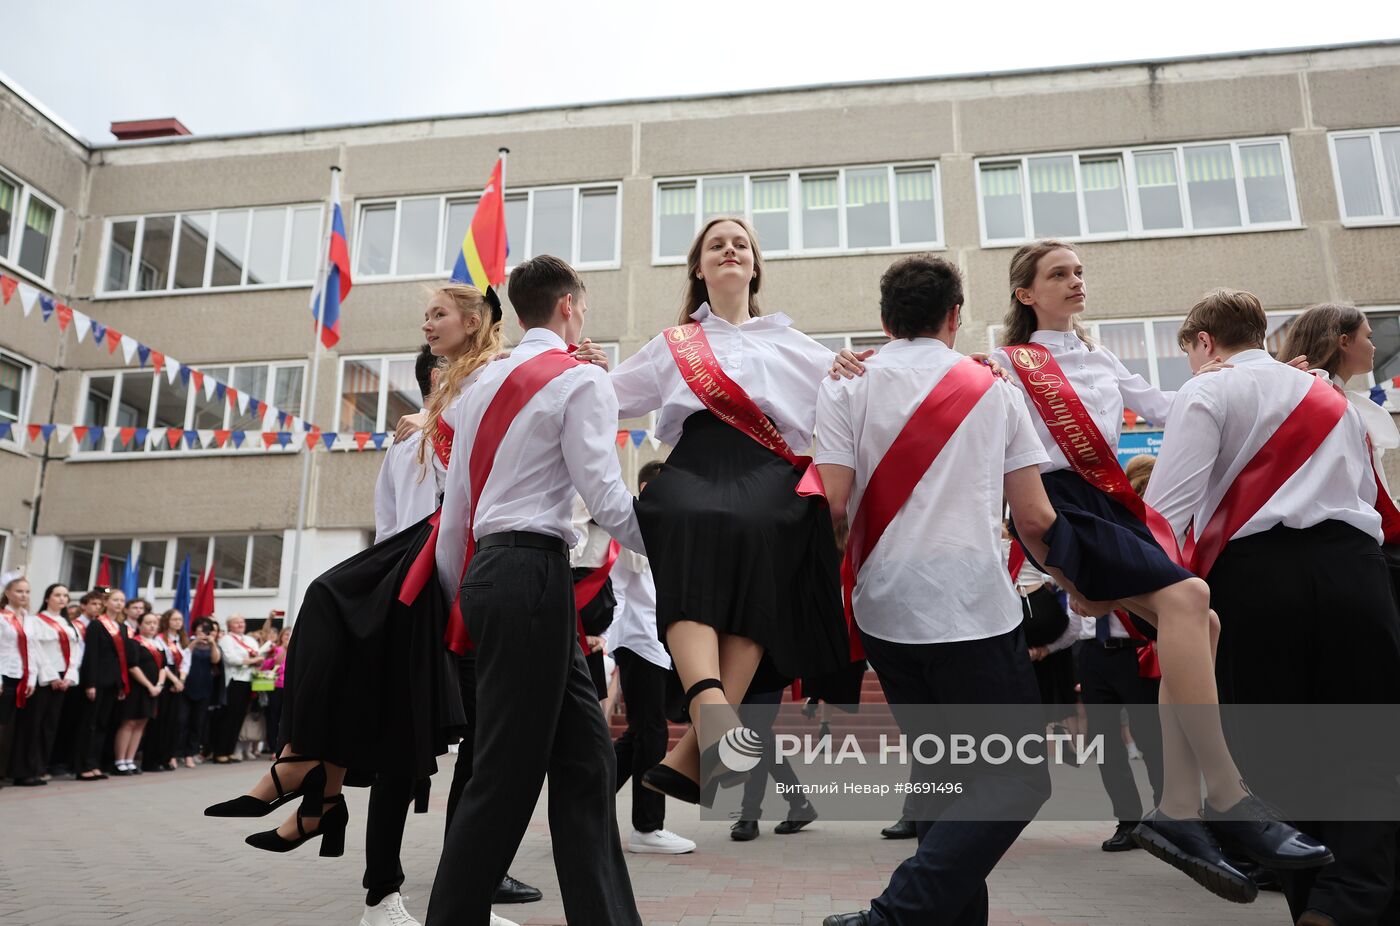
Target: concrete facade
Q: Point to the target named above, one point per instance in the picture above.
(1299, 95)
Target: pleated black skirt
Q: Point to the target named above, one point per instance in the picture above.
(137, 705)
(732, 545)
(1101, 546)
(369, 683)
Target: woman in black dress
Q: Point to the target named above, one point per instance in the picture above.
(146, 663)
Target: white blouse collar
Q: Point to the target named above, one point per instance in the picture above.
(1062, 339)
(775, 320)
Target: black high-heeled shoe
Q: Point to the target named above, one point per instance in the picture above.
(331, 829)
(313, 784)
(739, 742)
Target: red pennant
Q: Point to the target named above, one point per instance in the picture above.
(114, 339)
(233, 398)
(1130, 418)
(269, 438)
(175, 435)
(158, 361)
(35, 430)
(313, 437)
(361, 438)
(65, 316)
(1395, 383)
(221, 438)
(8, 285)
(126, 434)
(622, 438)
(80, 431)
(197, 378)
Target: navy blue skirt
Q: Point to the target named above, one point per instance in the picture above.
(1101, 546)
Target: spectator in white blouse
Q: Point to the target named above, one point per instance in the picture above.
(18, 665)
(55, 651)
(242, 655)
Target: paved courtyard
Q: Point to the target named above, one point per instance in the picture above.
(138, 851)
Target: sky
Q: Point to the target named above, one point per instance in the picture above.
(248, 65)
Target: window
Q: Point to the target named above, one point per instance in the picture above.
(879, 207)
(29, 225)
(1138, 192)
(143, 399)
(375, 392)
(4, 549)
(857, 342)
(241, 562)
(422, 236)
(16, 379)
(231, 248)
(1366, 168)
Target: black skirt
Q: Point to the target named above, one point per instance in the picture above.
(1101, 546)
(841, 688)
(369, 684)
(137, 705)
(732, 545)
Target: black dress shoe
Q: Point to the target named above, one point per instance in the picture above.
(30, 782)
(799, 815)
(904, 829)
(1254, 829)
(848, 919)
(744, 830)
(1121, 840)
(1190, 847)
(513, 891)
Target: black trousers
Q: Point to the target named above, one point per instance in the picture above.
(537, 716)
(389, 798)
(93, 729)
(273, 717)
(195, 727)
(69, 718)
(462, 771)
(9, 718)
(945, 883)
(1307, 616)
(760, 710)
(35, 729)
(643, 744)
(231, 723)
(1109, 682)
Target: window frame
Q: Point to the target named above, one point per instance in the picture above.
(1390, 214)
(214, 212)
(1127, 155)
(16, 442)
(849, 338)
(24, 191)
(171, 568)
(796, 248)
(85, 453)
(382, 406)
(444, 200)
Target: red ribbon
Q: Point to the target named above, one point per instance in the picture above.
(119, 641)
(914, 450)
(155, 653)
(1273, 464)
(174, 649)
(1016, 560)
(587, 588)
(1385, 505)
(727, 400)
(17, 622)
(64, 643)
(1080, 439)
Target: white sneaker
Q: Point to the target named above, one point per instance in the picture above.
(660, 842)
(500, 921)
(388, 912)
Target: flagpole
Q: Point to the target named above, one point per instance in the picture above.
(321, 277)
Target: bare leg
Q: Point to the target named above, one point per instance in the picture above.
(291, 774)
(123, 740)
(700, 652)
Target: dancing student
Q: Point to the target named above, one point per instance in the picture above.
(19, 663)
(1116, 551)
(1284, 537)
(201, 686)
(106, 680)
(644, 674)
(163, 732)
(746, 568)
(52, 647)
(536, 430)
(242, 654)
(146, 664)
(920, 452)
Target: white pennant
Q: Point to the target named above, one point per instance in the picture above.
(28, 296)
(206, 438)
(172, 369)
(296, 426)
(128, 348)
(209, 384)
(242, 403)
(64, 431)
(81, 325)
(111, 433)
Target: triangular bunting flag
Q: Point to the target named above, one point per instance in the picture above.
(312, 436)
(206, 438)
(191, 439)
(172, 370)
(185, 375)
(157, 361)
(63, 431)
(1378, 395)
(622, 438)
(81, 325)
(173, 436)
(220, 438)
(129, 346)
(282, 419)
(80, 432)
(8, 285)
(144, 353)
(329, 440)
(269, 438)
(65, 316)
(361, 438)
(203, 382)
(141, 435)
(99, 332)
(284, 438)
(28, 295)
(378, 438)
(46, 306)
(1130, 418)
(47, 430)
(5, 435)
(114, 340)
(239, 437)
(34, 430)
(242, 399)
(126, 435)
(637, 438)
(220, 390)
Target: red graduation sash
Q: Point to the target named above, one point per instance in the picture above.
(727, 400)
(1079, 438)
(64, 643)
(1385, 505)
(1016, 560)
(519, 387)
(1273, 464)
(17, 622)
(173, 648)
(155, 654)
(442, 441)
(918, 444)
(118, 641)
(421, 569)
(587, 588)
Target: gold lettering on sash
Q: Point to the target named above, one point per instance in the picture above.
(697, 373)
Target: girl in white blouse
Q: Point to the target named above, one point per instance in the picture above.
(19, 663)
(56, 648)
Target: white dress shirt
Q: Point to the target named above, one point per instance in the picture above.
(171, 648)
(239, 664)
(937, 574)
(1218, 424)
(1380, 427)
(45, 640)
(406, 491)
(11, 665)
(591, 550)
(634, 622)
(1102, 383)
(778, 366)
(562, 443)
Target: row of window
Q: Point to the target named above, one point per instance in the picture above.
(239, 561)
(29, 225)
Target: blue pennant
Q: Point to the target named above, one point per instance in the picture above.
(221, 391)
(328, 440)
(140, 437)
(5, 428)
(637, 438)
(184, 374)
(99, 332)
(192, 438)
(144, 353)
(46, 430)
(1378, 395)
(284, 438)
(378, 437)
(46, 305)
(238, 438)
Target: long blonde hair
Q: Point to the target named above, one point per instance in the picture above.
(483, 344)
(1019, 323)
(696, 293)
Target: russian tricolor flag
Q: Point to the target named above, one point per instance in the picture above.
(482, 260)
(335, 285)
